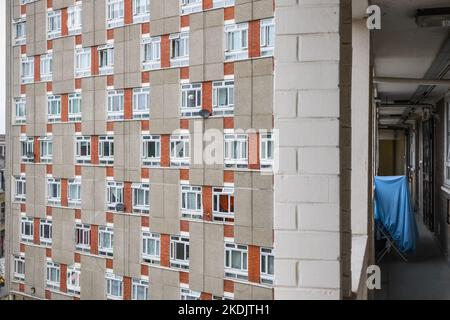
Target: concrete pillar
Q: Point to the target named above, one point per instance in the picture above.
(313, 118)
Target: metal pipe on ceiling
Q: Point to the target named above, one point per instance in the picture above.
(424, 82)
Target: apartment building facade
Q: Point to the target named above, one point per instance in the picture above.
(111, 101)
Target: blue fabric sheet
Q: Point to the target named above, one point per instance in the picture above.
(393, 211)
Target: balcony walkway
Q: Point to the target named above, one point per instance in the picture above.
(425, 276)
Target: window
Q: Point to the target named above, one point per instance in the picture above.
(73, 280)
(267, 264)
(179, 49)
(74, 192)
(53, 275)
(115, 104)
(75, 107)
(223, 204)
(114, 287)
(19, 268)
(186, 294)
(22, 2)
(46, 67)
(141, 197)
(20, 189)
(447, 156)
(27, 149)
(191, 202)
(20, 107)
(190, 6)
(179, 252)
(83, 237)
(106, 241)
(83, 149)
(151, 244)
(236, 261)
(114, 194)
(179, 150)
(141, 11)
(115, 13)
(53, 191)
(46, 149)
(139, 289)
(266, 151)
(53, 24)
(27, 229)
(106, 149)
(141, 103)
(235, 153)
(151, 53)
(106, 59)
(236, 41)
(54, 108)
(267, 37)
(20, 31)
(223, 97)
(191, 99)
(222, 3)
(151, 150)
(74, 18)
(45, 232)
(27, 69)
(82, 62)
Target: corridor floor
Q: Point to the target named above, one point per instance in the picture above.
(426, 275)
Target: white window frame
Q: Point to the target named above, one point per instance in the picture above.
(231, 271)
(175, 159)
(152, 45)
(22, 2)
(110, 295)
(49, 281)
(46, 67)
(115, 112)
(147, 140)
(136, 287)
(141, 101)
(103, 157)
(20, 31)
(218, 88)
(75, 102)
(19, 268)
(217, 193)
(178, 41)
(149, 257)
(79, 142)
(106, 59)
(141, 197)
(53, 33)
(74, 280)
(190, 6)
(83, 233)
(191, 92)
(74, 183)
(266, 255)
(20, 184)
(82, 63)
(26, 223)
(174, 261)
(115, 12)
(27, 147)
(238, 159)
(114, 190)
(266, 150)
(74, 19)
(53, 104)
(53, 199)
(46, 149)
(223, 3)
(187, 294)
(45, 228)
(20, 110)
(103, 250)
(186, 193)
(267, 37)
(239, 30)
(140, 15)
(27, 65)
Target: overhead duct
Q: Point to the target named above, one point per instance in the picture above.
(433, 17)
